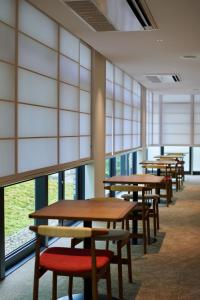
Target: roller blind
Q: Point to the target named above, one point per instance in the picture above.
(176, 120)
(45, 94)
(123, 111)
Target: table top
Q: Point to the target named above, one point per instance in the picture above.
(158, 162)
(170, 156)
(86, 210)
(135, 179)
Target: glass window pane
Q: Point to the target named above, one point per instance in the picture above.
(46, 124)
(7, 82)
(7, 42)
(7, 11)
(52, 188)
(182, 149)
(118, 142)
(69, 123)
(109, 128)
(7, 119)
(85, 56)
(69, 149)
(107, 169)
(69, 97)
(36, 89)
(7, 158)
(196, 159)
(36, 57)
(36, 153)
(85, 101)
(152, 152)
(69, 71)
(38, 25)
(84, 147)
(69, 44)
(19, 203)
(70, 184)
(127, 142)
(118, 165)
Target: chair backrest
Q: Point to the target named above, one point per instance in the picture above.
(126, 188)
(64, 231)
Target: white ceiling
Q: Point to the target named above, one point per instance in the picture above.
(139, 53)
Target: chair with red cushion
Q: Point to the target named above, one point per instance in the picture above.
(86, 263)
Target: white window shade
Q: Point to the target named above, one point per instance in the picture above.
(127, 142)
(85, 56)
(37, 89)
(118, 76)
(7, 120)
(7, 157)
(109, 71)
(128, 82)
(69, 97)
(84, 124)
(118, 143)
(69, 149)
(85, 102)
(36, 57)
(7, 42)
(7, 82)
(85, 79)
(85, 147)
(69, 44)
(36, 121)
(109, 89)
(36, 153)
(109, 127)
(37, 25)
(109, 144)
(176, 122)
(69, 123)
(69, 71)
(7, 12)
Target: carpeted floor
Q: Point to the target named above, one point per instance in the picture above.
(170, 270)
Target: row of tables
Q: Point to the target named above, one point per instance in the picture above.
(92, 210)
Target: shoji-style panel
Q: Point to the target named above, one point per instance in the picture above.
(45, 93)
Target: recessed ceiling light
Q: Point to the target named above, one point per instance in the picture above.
(159, 41)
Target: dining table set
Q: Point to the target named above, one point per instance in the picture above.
(135, 197)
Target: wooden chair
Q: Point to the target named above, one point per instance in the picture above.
(122, 239)
(140, 213)
(86, 263)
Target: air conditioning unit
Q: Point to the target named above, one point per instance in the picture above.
(113, 15)
(163, 78)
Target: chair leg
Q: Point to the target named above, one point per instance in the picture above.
(148, 230)
(108, 284)
(144, 236)
(129, 262)
(120, 279)
(36, 286)
(157, 215)
(94, 288)
(70, 286)
(54, 286)
(154, 219)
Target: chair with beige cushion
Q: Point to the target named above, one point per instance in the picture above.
(122, 239)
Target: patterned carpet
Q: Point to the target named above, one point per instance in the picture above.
(170, 270)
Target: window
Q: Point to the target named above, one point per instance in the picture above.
(19, 203)
(118, 165)
(107, 170)
(152, 152)
(196, 159)
(185, 150)
(70, 184)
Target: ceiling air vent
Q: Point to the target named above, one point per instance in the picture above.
(163, 78)
(113, 15)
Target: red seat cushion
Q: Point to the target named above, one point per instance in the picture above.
(73, 261)
(167, 178)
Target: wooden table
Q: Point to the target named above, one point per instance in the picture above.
(86, 211)
(135, 179)
(159, 162)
